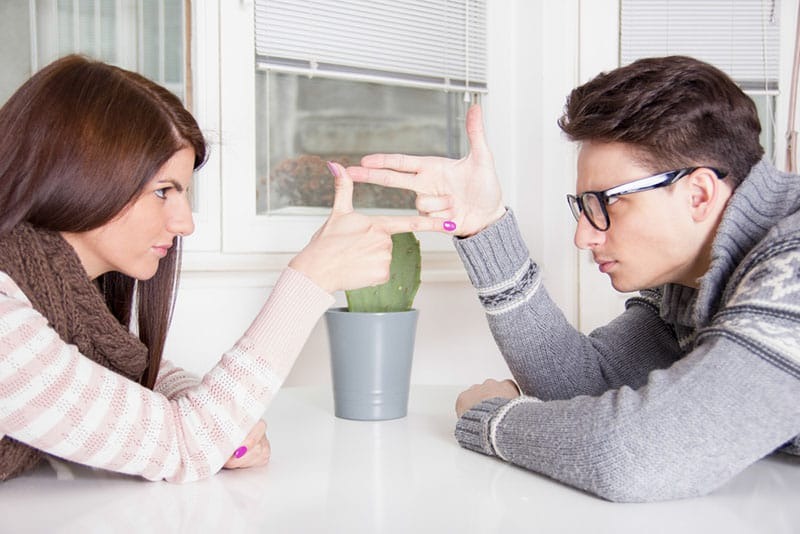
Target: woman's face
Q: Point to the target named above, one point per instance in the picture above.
(141, 234)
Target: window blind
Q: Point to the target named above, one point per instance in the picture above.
(139, 35)
(426, 43)
(738, 36)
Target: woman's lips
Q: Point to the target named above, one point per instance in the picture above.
(162, 250)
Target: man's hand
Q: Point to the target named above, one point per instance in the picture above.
(464, 191)
(352, 250)
(489, 389)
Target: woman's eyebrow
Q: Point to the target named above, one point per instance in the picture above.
(177, 185)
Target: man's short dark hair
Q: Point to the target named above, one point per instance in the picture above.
(675, 111)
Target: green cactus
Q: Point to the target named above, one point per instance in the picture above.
(398, 293)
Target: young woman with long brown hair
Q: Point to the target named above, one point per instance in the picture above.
(95, 164)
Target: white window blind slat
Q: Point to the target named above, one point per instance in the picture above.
(438, 42)
(738, 36)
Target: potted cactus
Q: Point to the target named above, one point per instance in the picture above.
(372, 340)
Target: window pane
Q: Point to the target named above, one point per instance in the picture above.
(15, 53)
(303, 122)
(765, 104)
(146, 36)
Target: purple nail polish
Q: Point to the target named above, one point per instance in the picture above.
(332, 168)
(241, 451)
(450, 226)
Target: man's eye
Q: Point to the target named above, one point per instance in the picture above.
(612, 200)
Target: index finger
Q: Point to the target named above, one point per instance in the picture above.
(396, 224)
(343, 188)
(397, 162)
(390, 178)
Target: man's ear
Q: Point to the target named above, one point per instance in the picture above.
(708, 195)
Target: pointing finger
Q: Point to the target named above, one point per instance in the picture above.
(398, 162)
(396, 225)
(343, 189)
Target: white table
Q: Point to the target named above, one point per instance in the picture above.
(406, 475)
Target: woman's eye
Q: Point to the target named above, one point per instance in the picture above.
(162, 193)
(612, 200)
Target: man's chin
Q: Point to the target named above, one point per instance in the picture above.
(623, 286)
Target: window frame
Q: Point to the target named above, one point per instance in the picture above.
(242, 229)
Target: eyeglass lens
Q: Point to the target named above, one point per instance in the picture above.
(594, 210)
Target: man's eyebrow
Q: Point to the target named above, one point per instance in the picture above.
(177, 185)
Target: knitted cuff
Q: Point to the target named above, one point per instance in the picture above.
(472, 428)
(494, 255)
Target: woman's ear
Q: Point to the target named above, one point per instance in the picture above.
(708, 195)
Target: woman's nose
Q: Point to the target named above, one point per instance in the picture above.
(181, 221)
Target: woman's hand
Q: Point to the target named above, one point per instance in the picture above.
(465, 191)
(352, 250)
(488, 390)
(254, 451)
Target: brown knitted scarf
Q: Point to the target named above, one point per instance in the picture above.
(49, 272)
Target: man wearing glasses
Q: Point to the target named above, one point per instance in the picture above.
(700, 376)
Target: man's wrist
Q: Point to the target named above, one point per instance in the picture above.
(492, 219)
(472, 428)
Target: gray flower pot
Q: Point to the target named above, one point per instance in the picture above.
(371, 355)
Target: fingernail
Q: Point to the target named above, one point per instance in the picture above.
(241, 451)
(332, 168)
(450, 226)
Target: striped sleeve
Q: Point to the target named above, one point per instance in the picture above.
(173, 381)
(58, 401)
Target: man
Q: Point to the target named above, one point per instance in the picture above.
(699, 377)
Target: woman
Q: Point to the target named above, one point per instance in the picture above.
(95, 165)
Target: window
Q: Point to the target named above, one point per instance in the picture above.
(302, 122)
(741, 38)
(142, 35)
(146, 36)
(336, 81)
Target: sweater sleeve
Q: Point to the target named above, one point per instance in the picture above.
(688, 431)
(547, 356)
(690, 425)
(58, 401)
(172, 381)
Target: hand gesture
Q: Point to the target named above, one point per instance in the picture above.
(464, 191)
(352, 250)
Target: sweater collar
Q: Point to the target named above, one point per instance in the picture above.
(762, 199)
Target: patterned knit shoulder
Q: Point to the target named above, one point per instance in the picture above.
(761, 302)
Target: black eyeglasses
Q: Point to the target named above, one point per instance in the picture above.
(593, 203)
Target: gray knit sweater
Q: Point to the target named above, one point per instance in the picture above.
(678, 394)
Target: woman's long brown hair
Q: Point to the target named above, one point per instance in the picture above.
(78, 142)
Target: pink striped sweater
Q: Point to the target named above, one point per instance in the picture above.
(55, 399)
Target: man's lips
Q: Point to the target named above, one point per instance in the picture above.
(605, 265)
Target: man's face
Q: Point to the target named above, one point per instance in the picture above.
(652, 239)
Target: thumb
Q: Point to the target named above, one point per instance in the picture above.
(343, 189)
(475, 133)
